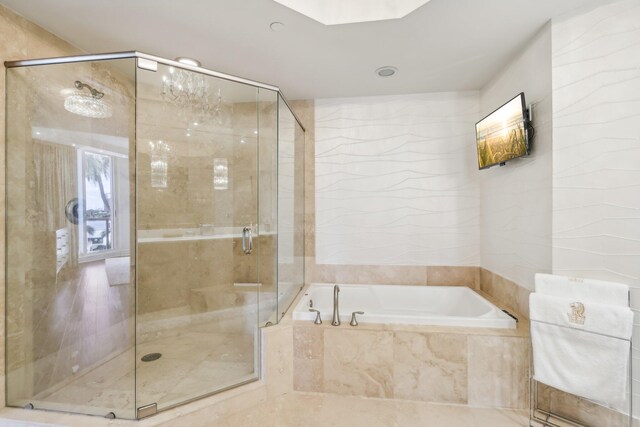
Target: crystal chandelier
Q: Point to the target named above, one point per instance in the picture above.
(88, 105)
(190, 92)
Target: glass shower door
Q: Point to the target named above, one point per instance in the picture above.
(69, 289)
(197, 210)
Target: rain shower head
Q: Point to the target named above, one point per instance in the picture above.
(92, 105)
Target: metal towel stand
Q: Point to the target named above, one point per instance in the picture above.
(542, 418)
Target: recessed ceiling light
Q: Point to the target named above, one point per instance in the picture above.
(188, 61)
(386, 71)
(276, 26)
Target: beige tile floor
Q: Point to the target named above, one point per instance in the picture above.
(192, 364)
(324, 410)
(200, 353)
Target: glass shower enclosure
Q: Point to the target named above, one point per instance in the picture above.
(154, 224)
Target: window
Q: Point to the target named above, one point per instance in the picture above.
(97, 216)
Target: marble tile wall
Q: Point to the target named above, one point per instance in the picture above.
(507, 293)
(445, 365)
(396, 274)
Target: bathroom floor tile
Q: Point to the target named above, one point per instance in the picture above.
(320, 410)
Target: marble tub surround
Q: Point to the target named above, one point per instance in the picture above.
(454, 276)
(506, 293)
(468, 366)
(395, 274)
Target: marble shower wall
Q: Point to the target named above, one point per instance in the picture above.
(198, 274)
(596, 149)
(396, 181)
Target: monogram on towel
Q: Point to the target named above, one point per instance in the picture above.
(576, 314)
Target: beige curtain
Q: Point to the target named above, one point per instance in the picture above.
(55, 186)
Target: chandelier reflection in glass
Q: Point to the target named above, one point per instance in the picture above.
(191, 93)
(220, 174)
(159, 164)
(88, 105)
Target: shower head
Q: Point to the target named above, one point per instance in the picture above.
(92, 106)
(94, 92)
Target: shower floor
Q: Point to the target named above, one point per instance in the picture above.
(194, 362)
(201, 351)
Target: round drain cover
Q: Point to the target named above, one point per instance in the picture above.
(151, 357)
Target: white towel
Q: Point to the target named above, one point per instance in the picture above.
(577, 358)
(583, 290)
(118, 270)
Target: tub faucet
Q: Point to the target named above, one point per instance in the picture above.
(336, 311)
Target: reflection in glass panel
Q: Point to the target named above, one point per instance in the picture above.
(290, 207)
(69, 288)
(268, 204)
(197, 189)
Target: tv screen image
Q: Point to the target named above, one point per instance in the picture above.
(502, 135)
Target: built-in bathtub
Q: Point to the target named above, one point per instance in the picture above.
(399, 304)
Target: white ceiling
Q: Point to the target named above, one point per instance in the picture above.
(445, 45)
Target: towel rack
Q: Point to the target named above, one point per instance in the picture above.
(542, 418)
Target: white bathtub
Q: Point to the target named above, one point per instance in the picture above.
(409, 305)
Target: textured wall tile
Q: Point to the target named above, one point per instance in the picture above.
(516, 199)
(396, 180)
(596, 151)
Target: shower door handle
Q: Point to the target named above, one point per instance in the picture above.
(247, 240)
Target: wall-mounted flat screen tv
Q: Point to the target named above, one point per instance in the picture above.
(503, 134)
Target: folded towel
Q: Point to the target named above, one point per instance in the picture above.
(118, 270)
(577, 358)
(598, 318)
(583, 289)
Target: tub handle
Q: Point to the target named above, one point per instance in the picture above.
(354, 322)
(318, 320)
